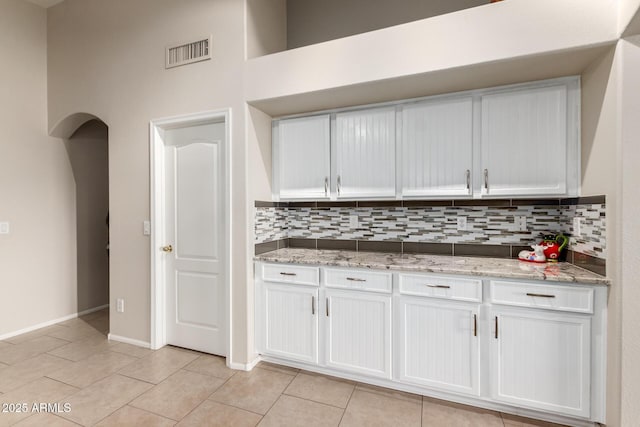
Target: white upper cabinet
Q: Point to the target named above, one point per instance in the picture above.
(524, 142)
(303, 154)
(365, 145)
(437, 148)
(514, 141)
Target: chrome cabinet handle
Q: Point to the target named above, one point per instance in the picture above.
(326, 186)
(354, 279)
(496, 336)
(486, 179)
(475, 325)
(468, 180)
(313, 305)
(540, 295)
(327, 306)
(287, 274)
(439, 286)
(338, 184)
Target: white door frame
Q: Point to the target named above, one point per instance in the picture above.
(158, 287)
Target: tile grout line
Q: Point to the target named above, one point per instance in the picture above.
(208, 398)
(281, 393)
(126, 404)
(348, 402)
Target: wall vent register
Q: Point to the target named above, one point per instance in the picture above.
(188, 53)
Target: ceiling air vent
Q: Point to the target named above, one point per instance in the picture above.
(188, 53)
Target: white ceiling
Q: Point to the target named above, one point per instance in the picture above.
(45, 3)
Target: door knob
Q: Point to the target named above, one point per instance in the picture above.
(167, 249)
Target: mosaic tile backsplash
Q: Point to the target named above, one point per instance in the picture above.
(438, 224)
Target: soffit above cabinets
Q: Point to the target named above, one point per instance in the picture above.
(45, 3)
(512, 71)
(469, 49)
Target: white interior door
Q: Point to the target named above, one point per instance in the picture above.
(194, 237)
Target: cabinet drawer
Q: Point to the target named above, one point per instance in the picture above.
(441, 287)
(358, 279)
(551, 297)
(284, 273)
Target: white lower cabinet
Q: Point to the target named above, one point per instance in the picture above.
(289, 325)
(437, 344)
(531, 347)
(542, 360)
(358, 332)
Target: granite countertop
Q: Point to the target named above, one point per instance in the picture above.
(469, 266)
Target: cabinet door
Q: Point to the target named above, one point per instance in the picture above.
(437, 148)
(542, 360)
(524, 142)
(358, 332)
(290, 322)
(365, 153)
(437, 344)
(304, 157)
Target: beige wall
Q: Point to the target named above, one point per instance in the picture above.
(627, 10)
(312, 21)
(600, 160)
(266, 27)
(111, 64)
(37, 194)
(88, 153)
(630, 229)
(446, 46)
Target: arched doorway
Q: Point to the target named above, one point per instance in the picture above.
(86, 141)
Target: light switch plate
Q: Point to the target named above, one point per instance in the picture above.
(120, 305)
(462, 223)
(577, 226)
(521, 223)
(4, 228)
(353, 221)
(146, 228)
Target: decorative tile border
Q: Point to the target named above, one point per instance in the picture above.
(430, 226)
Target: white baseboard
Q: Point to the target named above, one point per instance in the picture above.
(50, 322)
(245, 366)
(126, 340)
(92, 310)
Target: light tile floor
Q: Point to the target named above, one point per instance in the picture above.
(114, 384)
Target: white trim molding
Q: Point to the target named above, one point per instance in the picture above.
(126, 340)
(244, 366)
(51, 322)
(157, 128)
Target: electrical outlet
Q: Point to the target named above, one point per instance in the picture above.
(146, 228)
(353, 221)
(521, 223)
(120, 305)
(577, 226)
(462, 223)
(4, 228)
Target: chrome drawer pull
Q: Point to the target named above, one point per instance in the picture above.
(496, 327)
(313, 305)
(475, 325)
(288, 274)
(540, 295)
(440, 286)
(354, 279)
